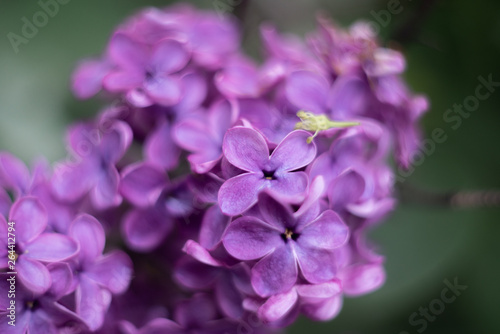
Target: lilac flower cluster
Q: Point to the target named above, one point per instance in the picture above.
(240, 194)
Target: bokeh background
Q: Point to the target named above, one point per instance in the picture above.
(448, 44)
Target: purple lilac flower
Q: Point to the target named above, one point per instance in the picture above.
(246, 149)
(95, 170)
(39, 313)
(264, 226)
(283, 243)
(203, 136)
(146, 75)
(96, 276)
(33, 246)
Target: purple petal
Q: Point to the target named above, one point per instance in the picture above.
(105, 193)
(201, 254)
(358, 280)
(276, 307)
(276, 273)
(325, 310)
(113, 271)
(62, 279)
(92, 302)
(290, 186)
(160, 326)
(347, 188)
(213, 225)
(5, 203)
(386, 62)
(248, 238)
(3, 242)
(122, 81)
(274, 213)
(87, 78)
(89, 234)
(164, 90)
(311, 206)
(315, 291)
(14, 174)
(193, 135)
(142, 184)
(144, 229)
(307, 91)
(194, 274)
(128, 53)
(238, 79)
(328, 231)
(33, 274)
(350, 96)
(138, 98)
(70, 182)
(169, 56)
(51, 247)
(30, 218)
(246, 149)
(160, 148)
(195, 93)
(228, 297)
(240, 193)
(317, 265)
(116, 140)
(221, 116)
(293, 152)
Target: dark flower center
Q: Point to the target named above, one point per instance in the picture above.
(269, 175)
(289, 235)
(33, 305)
(149, 75)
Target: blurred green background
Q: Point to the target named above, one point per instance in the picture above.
(448, 44)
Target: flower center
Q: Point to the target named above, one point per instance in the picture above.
(289, 235)
(269, 175)
(32, 305)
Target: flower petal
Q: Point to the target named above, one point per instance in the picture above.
(33, 274)
(290, 187)
(30, 217)
(168, 56)
(274, 213)
(328, 231)
(105, 194)
(276, 273)
(160, 148)
(89, 234)
(62, 279)
(142, 184)
(14, 174)
(51, 247)
(307, 91)
(144, 229)
(317, 265)
(293, 152)
(358, 280)
(92, 302)
(122, 81)
(276, 307)
(245, 148)
(127, 53)
(248, 238)
(164, 90)
(212, 228)
(113, 271)
(239, 193)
